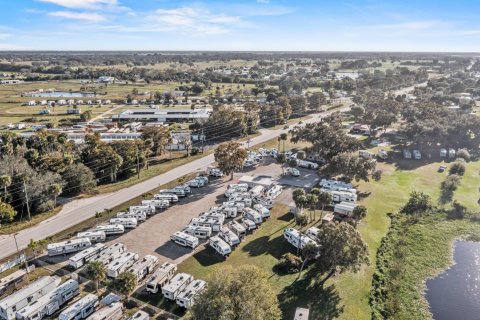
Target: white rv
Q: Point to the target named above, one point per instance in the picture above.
(139, 216)
(267, 203)
(451, 153)
(443, 153)
(184, 239)
(417, 155)
(166, 196)
(344, 208)
(220, 218)
(94, 236)
(296, 239)
(274, 191)
(139, 315)
(237, 228)
(206, 222)
(246, 200)
(198, 231)
(262, 210)
(157, 203)
(176, 285)
(84, 256)
(69, 246)
(143, 267)
(248, 224)
(307, 164)
(257, 190)
(179, 192)
(229, 236)
(407, 154)
(161, 277)
(330, 184)
(220, 246)
(341, 196)
(230, 191)
(239, 205)
(186, 298)
(80, 309)
(253, 215)
(113, 311)
(110, 253)
(312, 233)
(121, 264)
(27, 295)
(111, 229)
(148, 210)
(366, 154)
(228, 212)
(50, 303)
(14, 280)
(129, 223)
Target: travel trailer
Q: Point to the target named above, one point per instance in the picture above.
(179, 192)
(166, 196)
(139, 315)
(184, 239)
(296, 239)
(237, 228)
(80, 309)
(113, 311)
(214, 172)
(262, 210)
(110, 253)
(206, 222)
(186, 298)
(307, 164)
(157, 203)
(274, 191)
(129, 223)
(176, 285)
(417, 155)
(84, 256)
(253, 215)
(143, 267)
(239, 205)
(111, 229)
(407, 154)
(344, 208)
(198, 231)
(14, 281)
(341, 196)
(451, 153)
(230, 191)
(94, 236)
(220, 218)
(443, 153)
(228, 212)
(248, 224)
(161, 277)
(148, 210)
(139, 216)
(69, 246)
(220, 246)
(121, 264)
(330, 184)
(312, 233)
(246, 200)
(267, 203)
(229, 236)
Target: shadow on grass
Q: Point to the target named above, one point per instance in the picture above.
(157, 300)
(286, 217)
(208, 257)
(275, 247)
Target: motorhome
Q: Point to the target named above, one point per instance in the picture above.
(274, 191)
(166, 196)
(443, 153)
(206, 222)
(257, 190)
(451, 153)
(176, 285)
(148, 210)
(157, 203)
(84, 256)
(220, 246)
(80, 309)
(139, 315)
(160, 277)
(330, 184)
(69, 246)
(198, 231)
(110, 253)
(228, 212)
(220, 218)
(143, 267)
(229, 236)
(14, 281)
(253, 215)
(184, 239)
(237, 185)
(307, 164)
(186, 298)
(129, 223)
(237, 228)
(230, 191)
(341, 196)
(246, 200)
(239, 205)
(196, 183)
(344, 208)
(202, 178)
(50, 303)
(121, 264)
(214, 172)
(262, 210)
(267, 203)
(111, 229)
(180, 192)
(248, 224)
(407, 154)
(296, 239)
(113, 311)
(366, 154)
(417, 155)
(312, 233)
(139, 216)
(94, 236)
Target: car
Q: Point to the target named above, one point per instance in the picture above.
(442, 168)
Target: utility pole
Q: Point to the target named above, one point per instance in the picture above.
(19, 257)
(202, 137)
(26, 198)
(138, 165)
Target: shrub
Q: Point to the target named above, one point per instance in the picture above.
(194, 151)
(289, 263)
(458, 211)
(458, 167)
(377, 175)
(463, 154)
(451, 183)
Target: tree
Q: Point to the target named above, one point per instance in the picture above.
(317, 100)
(309, 251)
(230, 157)
(56, 190)
(458, 210)
(300, 198)
(7, 212)
(242, 292)
(97, 272)
(159, 136)
(125, 283)
(281, 160)
(463, 154)
(32, 245)
(418, 203)
(359, 212)
(350, 167)
(357, 112)
(458, 167)
(5, 182)
(86, 116)
(312, 200)
(283, 137)
(78, 178)
(341, 248)
(100, 157)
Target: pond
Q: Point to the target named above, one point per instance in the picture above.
(455, 293)
(63, 94)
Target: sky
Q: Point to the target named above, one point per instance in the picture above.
(241, 25)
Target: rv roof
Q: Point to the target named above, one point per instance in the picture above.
(27, 291)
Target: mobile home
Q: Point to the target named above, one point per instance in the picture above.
(143, 267)
(64, 247)
(198, 231)
(229, 236)
(186, 298)
(121, 264)
(139, 216)
(111, 229)
(176, 285)
(80, 309)
(94, 236)
(184, 239)
(344, 208)
(220, 246)
(84, 256)
(113, 311)
(161, 277)
(129, 223)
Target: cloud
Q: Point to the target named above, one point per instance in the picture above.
(95, 17)
(409, 25)
(83, 4)
(263, 1)
(5, 36)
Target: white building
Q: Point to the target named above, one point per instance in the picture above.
(163, 115)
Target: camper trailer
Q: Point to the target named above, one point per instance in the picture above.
(214, 172)
(230, 191)
(274, 191)
(157, 203)
(248, 224)
(69, 246)
(267, 203)
(94, 236)
(129, 223)
(186, 298)
(312, 233)
(121, 264)
(417, 155)
(262, 210)
(257, 190)
(176, 285)
(229, 236)
(148, 210)
(14, 281)
(143, 267)
(228, 212)
(84, 256)
(139, 216)
(220, 246)
(139, 315)
(161, 277)
(50, 303)
(198, 231)
(220, 218)
(307, 164)
(330, 184)
(110, 253)
(237, 228)
(366, 154)
(206, 222)
(296, 239)
(111, 229)
(166, 196)
(443, 153)
(179, 192)
(451, 153)
(344, 208)
(184, 239)
(341, 196)
(113, 311)
(407, 154)
(246, 200)
(80, 309)
(253, 215)
(239, 205)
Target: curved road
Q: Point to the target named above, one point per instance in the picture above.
(79, 210)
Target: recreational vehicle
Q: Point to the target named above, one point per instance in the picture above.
(206, 222)
(257, 190)
(198, 231)
(248, 224)
(239, 205)
(179, 192)
(312, 233)
(139, 315)
(214, 172)
(329, 184)
(229, 236)
(247, 201)
(237, 228)
(157, 203)
(274, 191)
(111, 229)
(382, 154)
(148, 210)
(262, 210)
(143, 267)
(166, 196)
(443, 153)
(110, 253)
(307, 164)
(184, 239)
(69, 246)
(186, 298)
(366, 154)
(407, 154)
(253, 215)
(161, 277)
(139, 216)
(113, 311)
(129, 223)
(230, 191)
(94, 236)
(176, 285)
(267, 203)
(220, 218)
(121, 264)
(50, 303)
(417, 155)
(229, 212)
(296, 239)
(81, 258)
(220, 246)
(344, 208)
(80, 309)
(14, 281)
(451, 153)
(341, 196)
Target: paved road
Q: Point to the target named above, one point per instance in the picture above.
(80, 210)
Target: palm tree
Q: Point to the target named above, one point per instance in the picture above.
(359, 212)
(324, 199)
(5, 182)
(309, 252)
(283, 137)
(56, 190)
(97, 271)
(312, 201)
(32, 245)
(126, 283)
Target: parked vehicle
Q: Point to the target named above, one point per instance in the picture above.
(407, 154)
(94, 236)
(253, 215)
(206, 222)
(248, 224)
(129, 223)
(344, 208)
(111, 229)
(220, 246)
(237, 228)
(366, 154)
(139, 315)
(143, 267)
(451, 153)
(230, 191)
(147, 209)
(214, 172)
(196, 183)
(293, 172)
(229, 236)
(307, 164)
(228, 212)
(417, 155)
(186, 298)
(158, 203)
(217, 216)
(274, 191)
(176, 285)
(202, 178)
(166, 196)
(237, 185)
(139, 216)
(262, 210)
(198, 231)
(14, 281)
(295, 238)
(80, 309)
(110, 253)
(312, 233)
(184, 239)
(341, 196)
(443, 153)
(179, 191)
(267, 203)
(247, 201)
(69, 246)
(161, 277)
(113, 311)
(84, 256)
(122, 263)
(382, 154)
